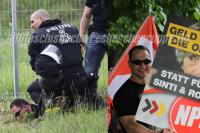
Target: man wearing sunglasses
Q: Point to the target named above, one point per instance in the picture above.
(127, 98)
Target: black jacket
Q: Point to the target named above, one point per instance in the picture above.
(64, 36)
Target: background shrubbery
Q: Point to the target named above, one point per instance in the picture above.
(126, 16)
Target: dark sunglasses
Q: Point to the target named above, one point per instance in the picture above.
(17, 113)
(139, 62)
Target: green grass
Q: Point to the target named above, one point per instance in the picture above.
(69, 11)
(26, 75)
(80, 121)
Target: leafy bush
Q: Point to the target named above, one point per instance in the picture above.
(125, 18)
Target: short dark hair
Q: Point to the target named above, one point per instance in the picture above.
(19, 102)
(138, 47)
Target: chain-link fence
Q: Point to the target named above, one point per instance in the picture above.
(69, 11)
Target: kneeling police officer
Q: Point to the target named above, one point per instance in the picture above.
(55, 53)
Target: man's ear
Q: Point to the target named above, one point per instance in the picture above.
(42, 18)
(129, 63)
(25, 106)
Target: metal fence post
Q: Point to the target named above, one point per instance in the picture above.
(15, 49)
(15, 71)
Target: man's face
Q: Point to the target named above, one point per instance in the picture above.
(18, 111)
(191, 65)
(35, 22)
(140, 64)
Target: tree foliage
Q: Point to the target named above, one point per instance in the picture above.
(126, 16)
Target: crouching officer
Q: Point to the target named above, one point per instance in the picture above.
(56, 57)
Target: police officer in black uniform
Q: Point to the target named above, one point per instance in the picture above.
(56, 57)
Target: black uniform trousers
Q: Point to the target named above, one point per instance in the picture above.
(71, 84)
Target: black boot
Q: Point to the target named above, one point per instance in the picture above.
(93, 98)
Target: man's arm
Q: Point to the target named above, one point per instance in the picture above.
(85, 20)
(33, 50)
(131, 126)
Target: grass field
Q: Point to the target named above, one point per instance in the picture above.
(81, 120)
